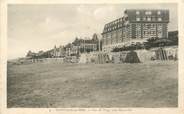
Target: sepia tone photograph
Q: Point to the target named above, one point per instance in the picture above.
(92, 55)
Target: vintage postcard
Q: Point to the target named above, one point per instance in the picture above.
(92, 57)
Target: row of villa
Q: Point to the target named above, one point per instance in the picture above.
(75, 48)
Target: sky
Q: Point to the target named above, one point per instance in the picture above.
(40, 27)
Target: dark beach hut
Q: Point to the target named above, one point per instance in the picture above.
(132, 57)
(161, 54)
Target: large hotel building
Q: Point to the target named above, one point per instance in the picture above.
(135, 25)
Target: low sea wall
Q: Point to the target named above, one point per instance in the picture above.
(163, 54)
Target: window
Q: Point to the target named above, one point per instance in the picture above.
(148, 26)
(148, 13)
(137, 19)
(138, 26)
(148, 19)
(159, 19)
(144, 19)
(158, 12)
(144, 32)
(137, 12)
(153, 19)
(153, 25)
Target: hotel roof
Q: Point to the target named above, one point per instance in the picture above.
(138, 16)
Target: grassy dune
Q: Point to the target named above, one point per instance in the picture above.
(93, 85)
